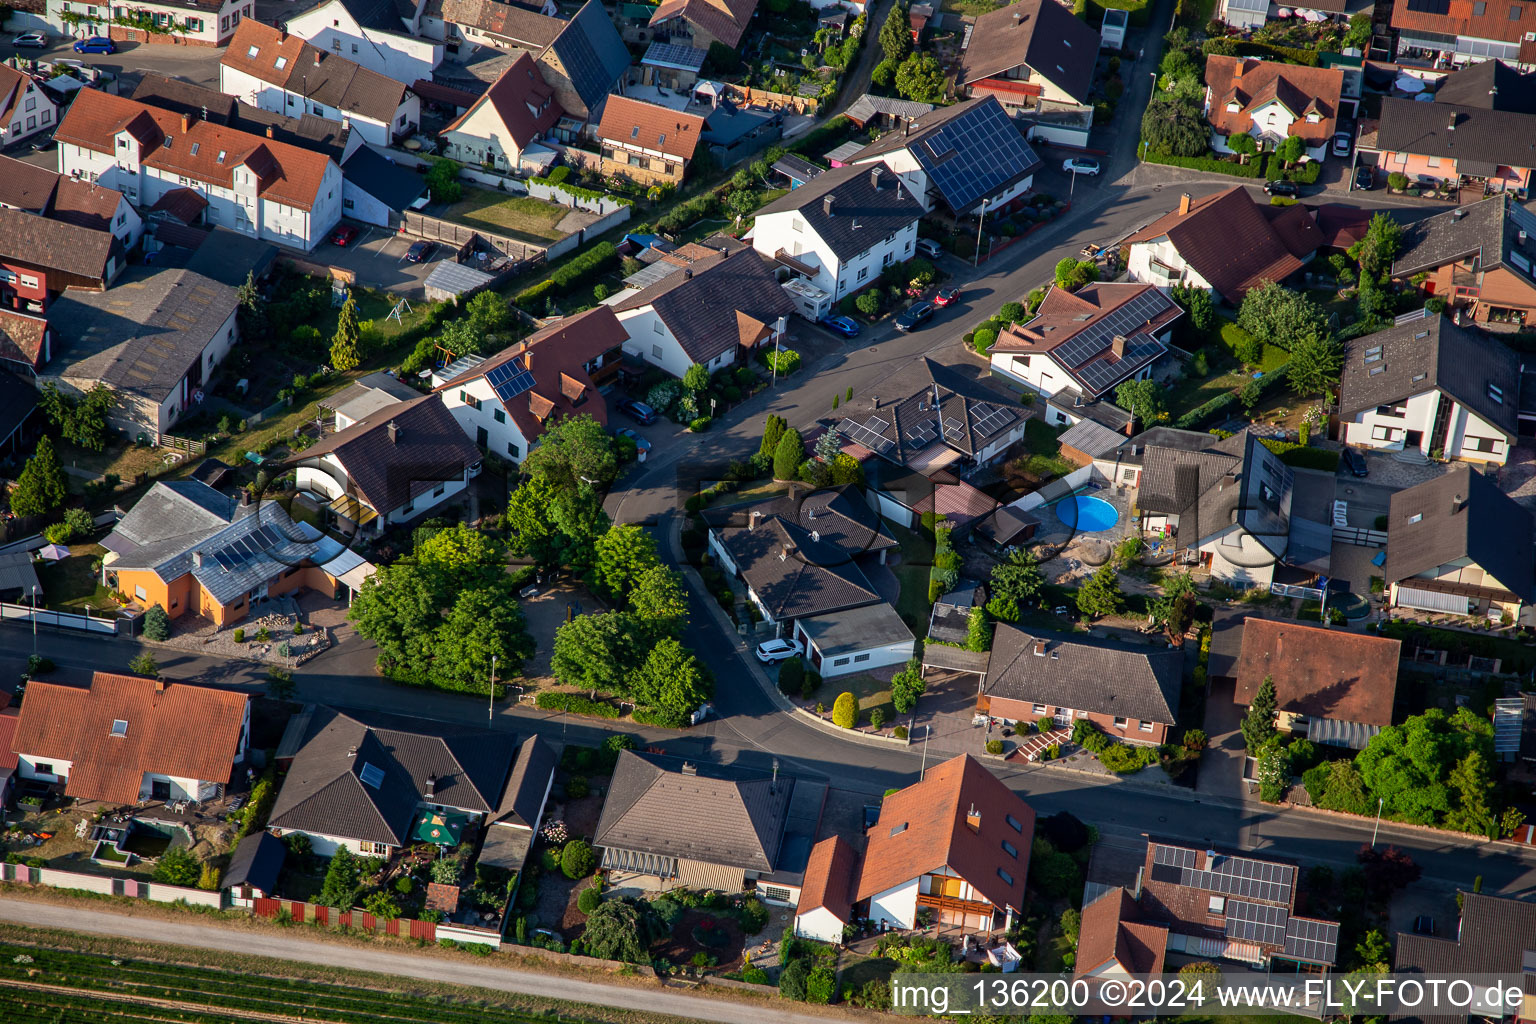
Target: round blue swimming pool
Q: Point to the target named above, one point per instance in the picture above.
(1086, 514)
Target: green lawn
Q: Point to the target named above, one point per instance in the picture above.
(1225, 372)
(1045, 458)
(872, 693)
(71, 584)
(916, 559)
(522, 217)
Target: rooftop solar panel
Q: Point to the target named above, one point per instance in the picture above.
(860, 433)
(1253, 922)
(974, 154)
(509, 380)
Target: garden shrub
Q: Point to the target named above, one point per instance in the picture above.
(1207, 163)
(994, 746)
(900, 732)
(845, 711)
(575, 703)
(785, 361)
(821, 984)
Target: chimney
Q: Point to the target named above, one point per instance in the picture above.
(431, 790)
(352, 752)
(1458, 502)
(1039, 648)
(689, 768)
(1184, 201)
(752, 518)
(874, 177)
(826, 206)
(394, 433)
(245, 496)
(1117, 346)
(159, 685)
(816, 535)
(783, 552)
(773, 787)
(1452, 126)
(973, 819)
(1237, 72)
(875, 401)
(687, 273)
(197, 559)
(186, 123)
(270, 135)
(1521, 237)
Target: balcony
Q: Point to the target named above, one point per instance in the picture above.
(955, 904)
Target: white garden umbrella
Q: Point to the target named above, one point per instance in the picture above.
(53, 552)
(1409, 84)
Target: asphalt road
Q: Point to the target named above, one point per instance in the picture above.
(196, 64)
(286, 946)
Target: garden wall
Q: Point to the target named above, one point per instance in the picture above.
(1058, 488)
(311, 913)
(592, 230)
(419, 225)
(63, 620)
(549, 193)
(136, 888)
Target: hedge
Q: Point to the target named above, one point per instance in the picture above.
(1207, 163)
(1201, 413)
(567, 276)
(1303, 174)
(785, 361)
(1303, 456)
(1285, 53)
(575, 703)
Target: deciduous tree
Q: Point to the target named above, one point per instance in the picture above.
(673, 681)
(573, 451)
(621, 928)
(920, 77)
(1280, 316)
(1141, 397)
(598, 652)
(906, 686)
(624, 554)
(1316, 361)
(659, 598)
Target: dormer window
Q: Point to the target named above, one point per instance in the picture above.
(1233, 106)
(119, 727)
(1313, 118)
(252, 52)
(221, 155)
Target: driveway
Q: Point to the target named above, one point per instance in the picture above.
(1221, 769)
(377, 257)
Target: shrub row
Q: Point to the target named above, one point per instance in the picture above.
(575, 703)
(785, 360)
(1303, 174)
(568, 276)
(1303, 456)
(1207, 163)
(1202, 413)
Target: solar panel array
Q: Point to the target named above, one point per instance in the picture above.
(509, 380)
(922, 434)
(372, 775)
(1099, 375)
(1097, 336)
(989, 419)
(240, 551)
(954, 430)
(1430, 6)
(1309, 939)
(1508, 713)
(869, 433)
(989, 150)
(1231, 876)
(677, 56)
(1255, 922)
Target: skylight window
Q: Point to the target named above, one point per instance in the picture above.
(1419, 376)
(1416, 517)
(372, 775)
(661, 139)
(634, 132)
(280, 63)
(1496, 393)
(253, 51)
(221, 155)
(165, 143)
(1373, 354)
(119, 727)
(195, 147)
(899, 829)
(1378, 369)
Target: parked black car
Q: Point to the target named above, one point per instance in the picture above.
(915, 315)
(1365, 178)
(1282, 188)
(1356, 462)
(638, 411)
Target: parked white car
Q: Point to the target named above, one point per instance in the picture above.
(770, 651)
(1080, 165)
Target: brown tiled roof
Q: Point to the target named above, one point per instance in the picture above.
(1104, 676)
(286, 174)
(1497, 936)
(186, 98)
(726, 20)
(21, 337)
(1112, 931)
(55, 244)
(1461, 18)
(512, 22)
(557, 357)
(8, 718)
(1340, 226)
(26, 186)
(183, 204)
(523, 101)
(628, 122)
(830, 878)
(1321, 673)
(178, 729)
(1461, 514)
(1042, 34)
(38, 190)
(324, 77)
(1228, 240)
(13, 88)
(924, 828)
(1253, 83)
(427, 447)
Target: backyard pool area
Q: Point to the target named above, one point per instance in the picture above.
(1087, 514)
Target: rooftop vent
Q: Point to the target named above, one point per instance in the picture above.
(394, 432)
(689, 768)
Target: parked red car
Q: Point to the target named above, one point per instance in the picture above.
(343, 235)
(946, 296)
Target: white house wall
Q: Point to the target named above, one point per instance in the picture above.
(819, 924)
(1260, 571)
(26, 767)
(1140, 269)
(358, 205)
(1002, 444)
(425, 502)
(1373, 429)
(396, 55)
(895, 907)
(502, 439)
(35, 113)
(721, 555)
(181, 397)
(324, 845)
(779, 231)
(1464, 425)
(651, 340)
(862, 661)
(889, 508)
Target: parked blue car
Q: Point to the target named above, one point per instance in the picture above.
(95, 44)
(843, 325)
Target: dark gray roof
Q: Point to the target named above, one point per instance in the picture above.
(727, 124)
(868, 205)
(143, 334)
(18, 401)
(256, 862)
(1490, 84)
(1236, 480)
(1042, 34)
(383, 179)
(228, 257)
(869, 106)
(1497, 936)
(1432, 352)
(970, 151)
(367, 385)
(591, 53)
(399, 452)
(799, 552)
(797, 168)
(18, 576)
(717, 814)
(385, 15)
(898, 420)
(1005, 524)
(1488, 231)
(185, 98)
(1461, 514)
(1106, 677)
(523, 801)
(307, 131)
(1090, 438)
(700, 305)
(1480, 136)
(172, 512)
(856, 629)
(1226, 642)
(324, 791)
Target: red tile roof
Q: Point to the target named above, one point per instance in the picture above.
(1229, 240)
(183, 204)
(1341, 226)
(1111, 932)
(726, 20)
(1322, 673)
(1252, 84)
(1461, 19)
(924, 828)
(8, 719)
(286, 174)
(523, 101)
(628, 122)
(290, 63)
(830, 878)
(21, 337)
(176, 729)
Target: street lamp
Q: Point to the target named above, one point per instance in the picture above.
(1072, 187)
(490, 711)
(980, 219)
(34, 620)
(1379, 801)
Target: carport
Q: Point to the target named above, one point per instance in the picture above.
(956, 659)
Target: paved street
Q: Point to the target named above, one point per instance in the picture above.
(196, 64)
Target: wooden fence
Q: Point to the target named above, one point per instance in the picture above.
(330, 917)
(180, 444)
(419, 225)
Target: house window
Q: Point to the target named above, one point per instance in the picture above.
(655, 351)
(140, 593)
(1010, 849)
(796, 224)
(1480, 8)
(1121, 723)
(863, 273)
(437, 492)
(839, 661)
(1217, 905)
(1489, 445)
(1434, 161)
(1005, 876)
(860, 657)
(776, 894)
(1416, 517)
(367, 847)
(1145, 726)
(513, 450)
(119, 727)
(43, 768)
(1379, 433)
(1514, 12)
(1038, 709)
(1013, 823)
(499, 415)
(1496, 393)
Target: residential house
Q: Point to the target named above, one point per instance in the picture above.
(841, 228)
(1332, 686)
(670, 823)
(1455, 32)
(1476, 133)
(950, 619)
(390, 467)
(635, 140)
(1480, 258)
(187, 98)
(85, 204)
(956, 844)
(1225, 243)
(1032, 56)
(1248, 15)
(1225, 506)
(672, 66)
(254, 868)
(188, 22)
(795, 170)
(376, 190)
(1088, 441)
(733, 130)
(282, 73)
(189, 549)
(927, 417)
(969, 157)
(385, 38)
(1496, 935)
(1114, 942)
(718, 309)
(883, 112)
(801, 557)
(1224, 906)
(504, 402)
(1081, 346)
(702, 23)
(905, 496)
(376, 783)
(155, 340)
(259, 186)
(586, 61)
(25, 107)
(1459, 545)
(1428, 385)
(471, 23)
(516, 111)
(1271, 102)
(42, 256)
(826, 901)
(366, 396)
(125, 739)
(1130, 691)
